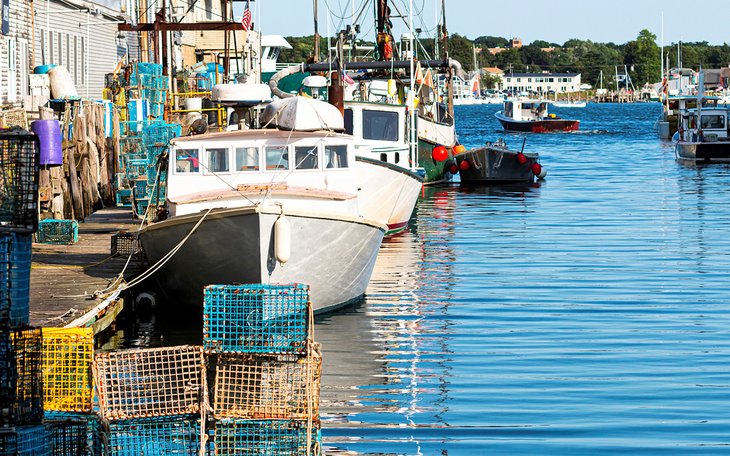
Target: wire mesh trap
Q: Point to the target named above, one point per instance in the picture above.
(149, 382)
(125, 243)
(15, 261)
(27, 347)
(267, 437)
(154, 436)
(267, 386)
(52, 231)
(19, 158)
(256, 318)
(75, 434)
(67, 358)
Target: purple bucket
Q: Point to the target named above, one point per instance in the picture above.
(49, 137)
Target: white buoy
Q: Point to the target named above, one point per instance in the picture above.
(542, 174)
(282, 239)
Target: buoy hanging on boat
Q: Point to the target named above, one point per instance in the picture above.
(282, 239)
(464, 165)
(521, 158)
(439, 153)
(538, 171)
(459, 149)
(454, 169)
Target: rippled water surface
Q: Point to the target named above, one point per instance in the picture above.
(587, 315)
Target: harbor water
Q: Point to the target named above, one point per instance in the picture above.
(587, 314)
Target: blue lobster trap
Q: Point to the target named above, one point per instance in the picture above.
(267, 437)
(51, 231)
(256, 318)
(75, 434)
(26, 441)
(19, 166)
(165, 435)
(15, 260)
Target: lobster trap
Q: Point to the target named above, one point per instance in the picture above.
(149, 382)
(75, 434)
(15, 261)
(267, 386)
(125, 243)
(8, 379)
(154, 436)
(267, 437)
(26, 441)
(28, 351)
(256, 318)
(19, 159)
(51, 231)
(67, 358)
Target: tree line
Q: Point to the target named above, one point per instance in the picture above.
(641, 56)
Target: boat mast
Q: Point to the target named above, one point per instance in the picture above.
(413, 134)
(445, 43)
(316, 31)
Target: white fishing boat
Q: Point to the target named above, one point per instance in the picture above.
(704, 135)
(266, 206)
(569, 104)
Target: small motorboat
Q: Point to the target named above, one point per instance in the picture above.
(704, 135)
(496, 164)
(532, 116)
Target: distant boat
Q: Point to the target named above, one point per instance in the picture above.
(569, 104)
(532, 116)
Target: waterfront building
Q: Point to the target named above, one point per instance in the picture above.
(542, 82)
(15, 52)
(83, 37)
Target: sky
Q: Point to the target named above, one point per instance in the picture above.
(556, 21)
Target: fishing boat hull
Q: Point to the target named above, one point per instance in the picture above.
(387, 192)
(432, 134)
(333, 253)
(703, 152)
(537, 126)
(496, 165)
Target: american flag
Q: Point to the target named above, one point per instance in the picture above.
(246, 17)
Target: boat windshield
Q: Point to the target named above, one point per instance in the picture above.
(379, 125)
(335, 156)
(247, 158)
(277, 158)
(713, 122)
(305, 157)
(186, 161)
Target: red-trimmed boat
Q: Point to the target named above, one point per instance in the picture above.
(531, 116)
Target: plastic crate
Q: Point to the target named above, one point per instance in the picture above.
(150, 382)
(19, 157)
(267, 437)
(75, 434)
(15, 261)
(51, 231)
(28, 351)
(267, 386)
(125, 243)
(154, 436)
(67, 381)
(124, 197)
(256, 318)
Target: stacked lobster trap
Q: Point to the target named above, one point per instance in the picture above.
(267, 369)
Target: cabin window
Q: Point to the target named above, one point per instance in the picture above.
(380, 125)
(247, 159)
(335, 157)
(348, 121)
(186, 161)
(277, 158)
(306, 157)
(218, 160)
(384, 157)
(713, 122)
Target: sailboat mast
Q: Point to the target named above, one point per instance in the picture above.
(445, 44)
(316, 31)
(413, 135)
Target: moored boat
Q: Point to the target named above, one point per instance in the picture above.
(495, 164)
(531, 116)
(265, 206)
(704, 135)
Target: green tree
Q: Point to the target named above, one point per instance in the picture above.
(643, 55)
(491, 41)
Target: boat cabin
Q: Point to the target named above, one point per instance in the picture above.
(705, 125)
(216, 167)
(380, 130)
(526, 110)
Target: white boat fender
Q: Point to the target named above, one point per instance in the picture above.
(282, 239)
(539, 171)
(146, 299)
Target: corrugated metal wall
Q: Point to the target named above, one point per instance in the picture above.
(62, 38)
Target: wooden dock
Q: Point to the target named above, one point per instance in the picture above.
(66, 279)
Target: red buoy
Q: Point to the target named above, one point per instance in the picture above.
(521, 159)
(464, 165)
(536, 169)
(439, 153)
(454, 169)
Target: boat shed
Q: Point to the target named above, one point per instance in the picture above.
(83, 37)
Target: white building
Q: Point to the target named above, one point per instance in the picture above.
(541, 82)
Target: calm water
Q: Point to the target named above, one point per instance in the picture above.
(587, 315)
